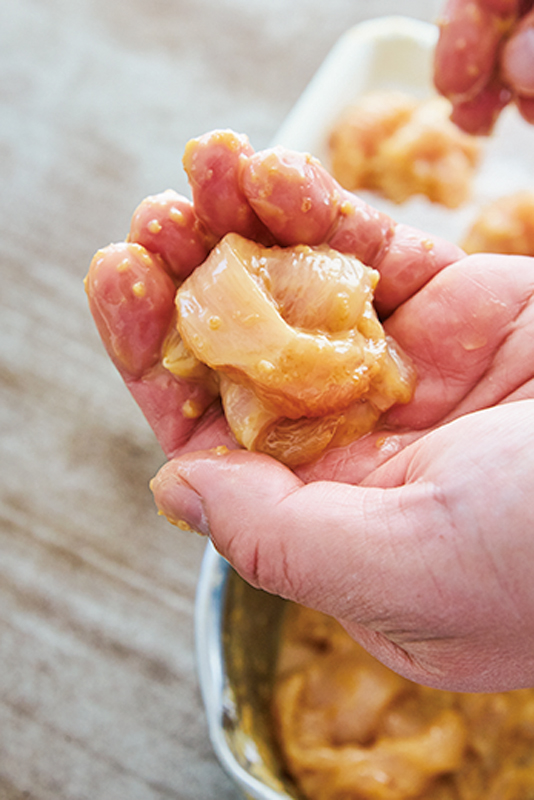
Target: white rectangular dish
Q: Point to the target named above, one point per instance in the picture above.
(397, 53)
(384, 53)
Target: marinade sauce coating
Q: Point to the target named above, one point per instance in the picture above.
(291, 332)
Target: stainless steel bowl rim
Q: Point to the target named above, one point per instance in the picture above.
(209, 610)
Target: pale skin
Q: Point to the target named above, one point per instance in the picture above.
(418, 537)
(484, 60)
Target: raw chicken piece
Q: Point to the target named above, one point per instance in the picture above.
(390, 143)
(302, 357)
(504, 226)
(350, 728)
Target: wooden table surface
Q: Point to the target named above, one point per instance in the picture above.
(99, 697)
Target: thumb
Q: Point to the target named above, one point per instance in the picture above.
(359, 554)
(282, 535)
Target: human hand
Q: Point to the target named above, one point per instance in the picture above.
(273, 197)
(314, 537)
(484, 59)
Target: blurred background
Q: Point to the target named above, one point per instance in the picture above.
(98, 690)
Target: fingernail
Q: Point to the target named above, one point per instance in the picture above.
(180, 504)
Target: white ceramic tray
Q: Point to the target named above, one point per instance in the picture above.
(397, 53)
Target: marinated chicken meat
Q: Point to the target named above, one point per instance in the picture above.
(393, 144)
(351, 729)
(504, 226)
(302, 359)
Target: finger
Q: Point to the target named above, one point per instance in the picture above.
(182, 414)
(168, 225)
(302, 204)
(478, 115)
(518, 58)
(214, 163)
(295, 197)
(466, 52)
(131, 298)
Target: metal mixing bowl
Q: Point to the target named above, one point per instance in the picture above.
(237, 631)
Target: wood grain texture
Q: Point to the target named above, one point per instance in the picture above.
(98, 689)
